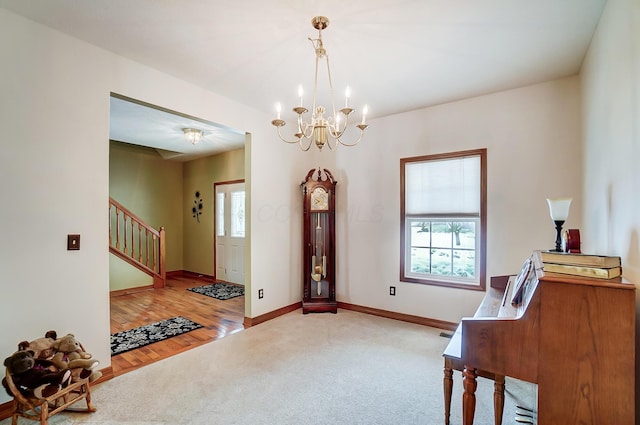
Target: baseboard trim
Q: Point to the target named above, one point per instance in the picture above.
(190, 274)
(252, 321)
(171, 274)
(425, 321)
(6, 409)
(127, 291)
(174, 273)
(107, 374)
(434, 323)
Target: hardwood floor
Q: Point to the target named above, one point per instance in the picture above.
(218, 318)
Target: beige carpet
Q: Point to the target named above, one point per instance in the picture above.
(345, 368)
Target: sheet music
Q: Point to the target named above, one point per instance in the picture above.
(520, 282)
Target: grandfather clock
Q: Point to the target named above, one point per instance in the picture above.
(319, 231)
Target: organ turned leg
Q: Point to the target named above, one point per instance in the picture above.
(448, 389)
(469, 397)
(498, 398)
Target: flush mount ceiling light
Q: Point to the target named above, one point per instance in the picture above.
(319, 129)
(192, 135)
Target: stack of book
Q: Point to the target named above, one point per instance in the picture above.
(598, 266)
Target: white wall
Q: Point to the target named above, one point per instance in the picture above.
(532, 136)
(611, 110)
(53, 181)
(54, 112)
(611, 87)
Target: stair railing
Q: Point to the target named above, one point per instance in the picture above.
(137, 243)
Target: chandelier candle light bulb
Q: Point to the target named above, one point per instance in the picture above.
(318, 129)
(278, 110)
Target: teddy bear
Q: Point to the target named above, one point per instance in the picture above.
(68, 354)
(31, 376)
(42, 347)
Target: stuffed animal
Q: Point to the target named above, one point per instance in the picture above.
(70, 355)
(31, 376)
(42, 347)
(86, 373)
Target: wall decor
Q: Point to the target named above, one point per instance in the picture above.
(196, 210)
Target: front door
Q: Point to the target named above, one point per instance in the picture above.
(230, 229)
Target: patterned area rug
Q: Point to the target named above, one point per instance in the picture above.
(221, 291)
(148, 334)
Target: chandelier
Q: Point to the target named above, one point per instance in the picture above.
(320, 129)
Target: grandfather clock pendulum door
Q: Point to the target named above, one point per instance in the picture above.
(319, 209)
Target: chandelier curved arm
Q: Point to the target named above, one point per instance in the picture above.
(298, 136)
(335, 129)
(337, 133)
(281, 123)
(328, 143)
(362, 127)
(302, 145)
(305, 129)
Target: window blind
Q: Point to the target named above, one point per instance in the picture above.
(444, 186)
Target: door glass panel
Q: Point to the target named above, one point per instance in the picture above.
(237, 214)
(220, 214)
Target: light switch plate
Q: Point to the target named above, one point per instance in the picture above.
(73, 242)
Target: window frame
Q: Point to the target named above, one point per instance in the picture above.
(481, 256)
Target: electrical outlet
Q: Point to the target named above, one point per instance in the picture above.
(260, 294)
(392, 291)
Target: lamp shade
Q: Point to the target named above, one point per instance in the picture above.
(559, 208)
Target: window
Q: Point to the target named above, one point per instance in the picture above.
(443, 219)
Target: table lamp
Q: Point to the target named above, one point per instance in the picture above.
(559, 210)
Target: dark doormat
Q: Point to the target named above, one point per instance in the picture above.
(148, 334)
(219, 290)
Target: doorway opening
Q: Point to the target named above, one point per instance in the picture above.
(152, 168)
(229, 222)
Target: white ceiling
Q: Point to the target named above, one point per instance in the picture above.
(133, 122)
(396, 55)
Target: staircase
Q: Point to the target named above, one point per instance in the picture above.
(137, 243)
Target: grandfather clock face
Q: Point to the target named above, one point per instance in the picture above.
(319, 199)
